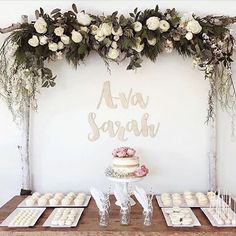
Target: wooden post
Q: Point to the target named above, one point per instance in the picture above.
(212, 152)
(24, 149)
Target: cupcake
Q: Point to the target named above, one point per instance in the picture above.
(66, 201)
(30, 201)
(71, 194)
(42, 201)
(53, 202)
(78, 201)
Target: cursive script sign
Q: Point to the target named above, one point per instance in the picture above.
(116, 128)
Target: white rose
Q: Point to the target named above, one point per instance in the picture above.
(113, 53)
(137, 26)
(59, 31)
(40, 25)
(152, 23)
(116, 37)
(106, 29)
(152, 41)
(84, 28)
(138, 47)
(84, 19)
(114, 45)
(76, 36)
(53, 47)
(34, 41)
(43, 40)
(164, 25)
(119, 32)
(100, 33)
(65, 39)
(189, 36)
(94, 29)
(60, 45)
(99, 38)
(194, 27)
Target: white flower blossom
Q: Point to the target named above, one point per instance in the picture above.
(116, 37)
(53, 46)
(114, 45)
(106, 29)
(84, 19)
(43, 40)
(65, 39)
(194, 27)
(34, 41)
(59, 31)
(164, 25)
(152, 41)
(189, 36)
(40, 25)
(113, 53)
(60, 45)
(152, 23)
(84, 28)
(76, 36)
(137, 26)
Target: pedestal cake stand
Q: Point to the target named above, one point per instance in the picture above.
(126, 182)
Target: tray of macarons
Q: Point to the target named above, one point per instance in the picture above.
(56, 200)
(180, 217)
(187, 199)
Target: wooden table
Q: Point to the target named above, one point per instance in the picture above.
(88, 226)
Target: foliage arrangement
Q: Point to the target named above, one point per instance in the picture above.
(74, 34)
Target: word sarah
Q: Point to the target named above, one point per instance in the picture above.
(132, 98)
(117, 129)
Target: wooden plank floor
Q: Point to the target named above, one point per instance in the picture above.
(88, 225)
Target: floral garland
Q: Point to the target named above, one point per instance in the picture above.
(73, 35)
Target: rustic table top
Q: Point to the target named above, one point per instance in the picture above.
(88, 225)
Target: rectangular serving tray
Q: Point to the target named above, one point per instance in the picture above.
(212, 219)
(48, 222)
(8, 220)
(183, 205)
(168, 220)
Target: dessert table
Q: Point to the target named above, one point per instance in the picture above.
(88, 225)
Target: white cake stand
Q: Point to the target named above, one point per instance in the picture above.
(126, 182)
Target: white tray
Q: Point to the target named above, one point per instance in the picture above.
(184, 204)
(168, 220)
(48, 222)
(85, 204)
(212, 219)
(8, 220)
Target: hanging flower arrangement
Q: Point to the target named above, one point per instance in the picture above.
(74, 34)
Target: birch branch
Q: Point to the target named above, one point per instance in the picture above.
(15, 26)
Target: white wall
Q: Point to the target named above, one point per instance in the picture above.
(62, 157)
